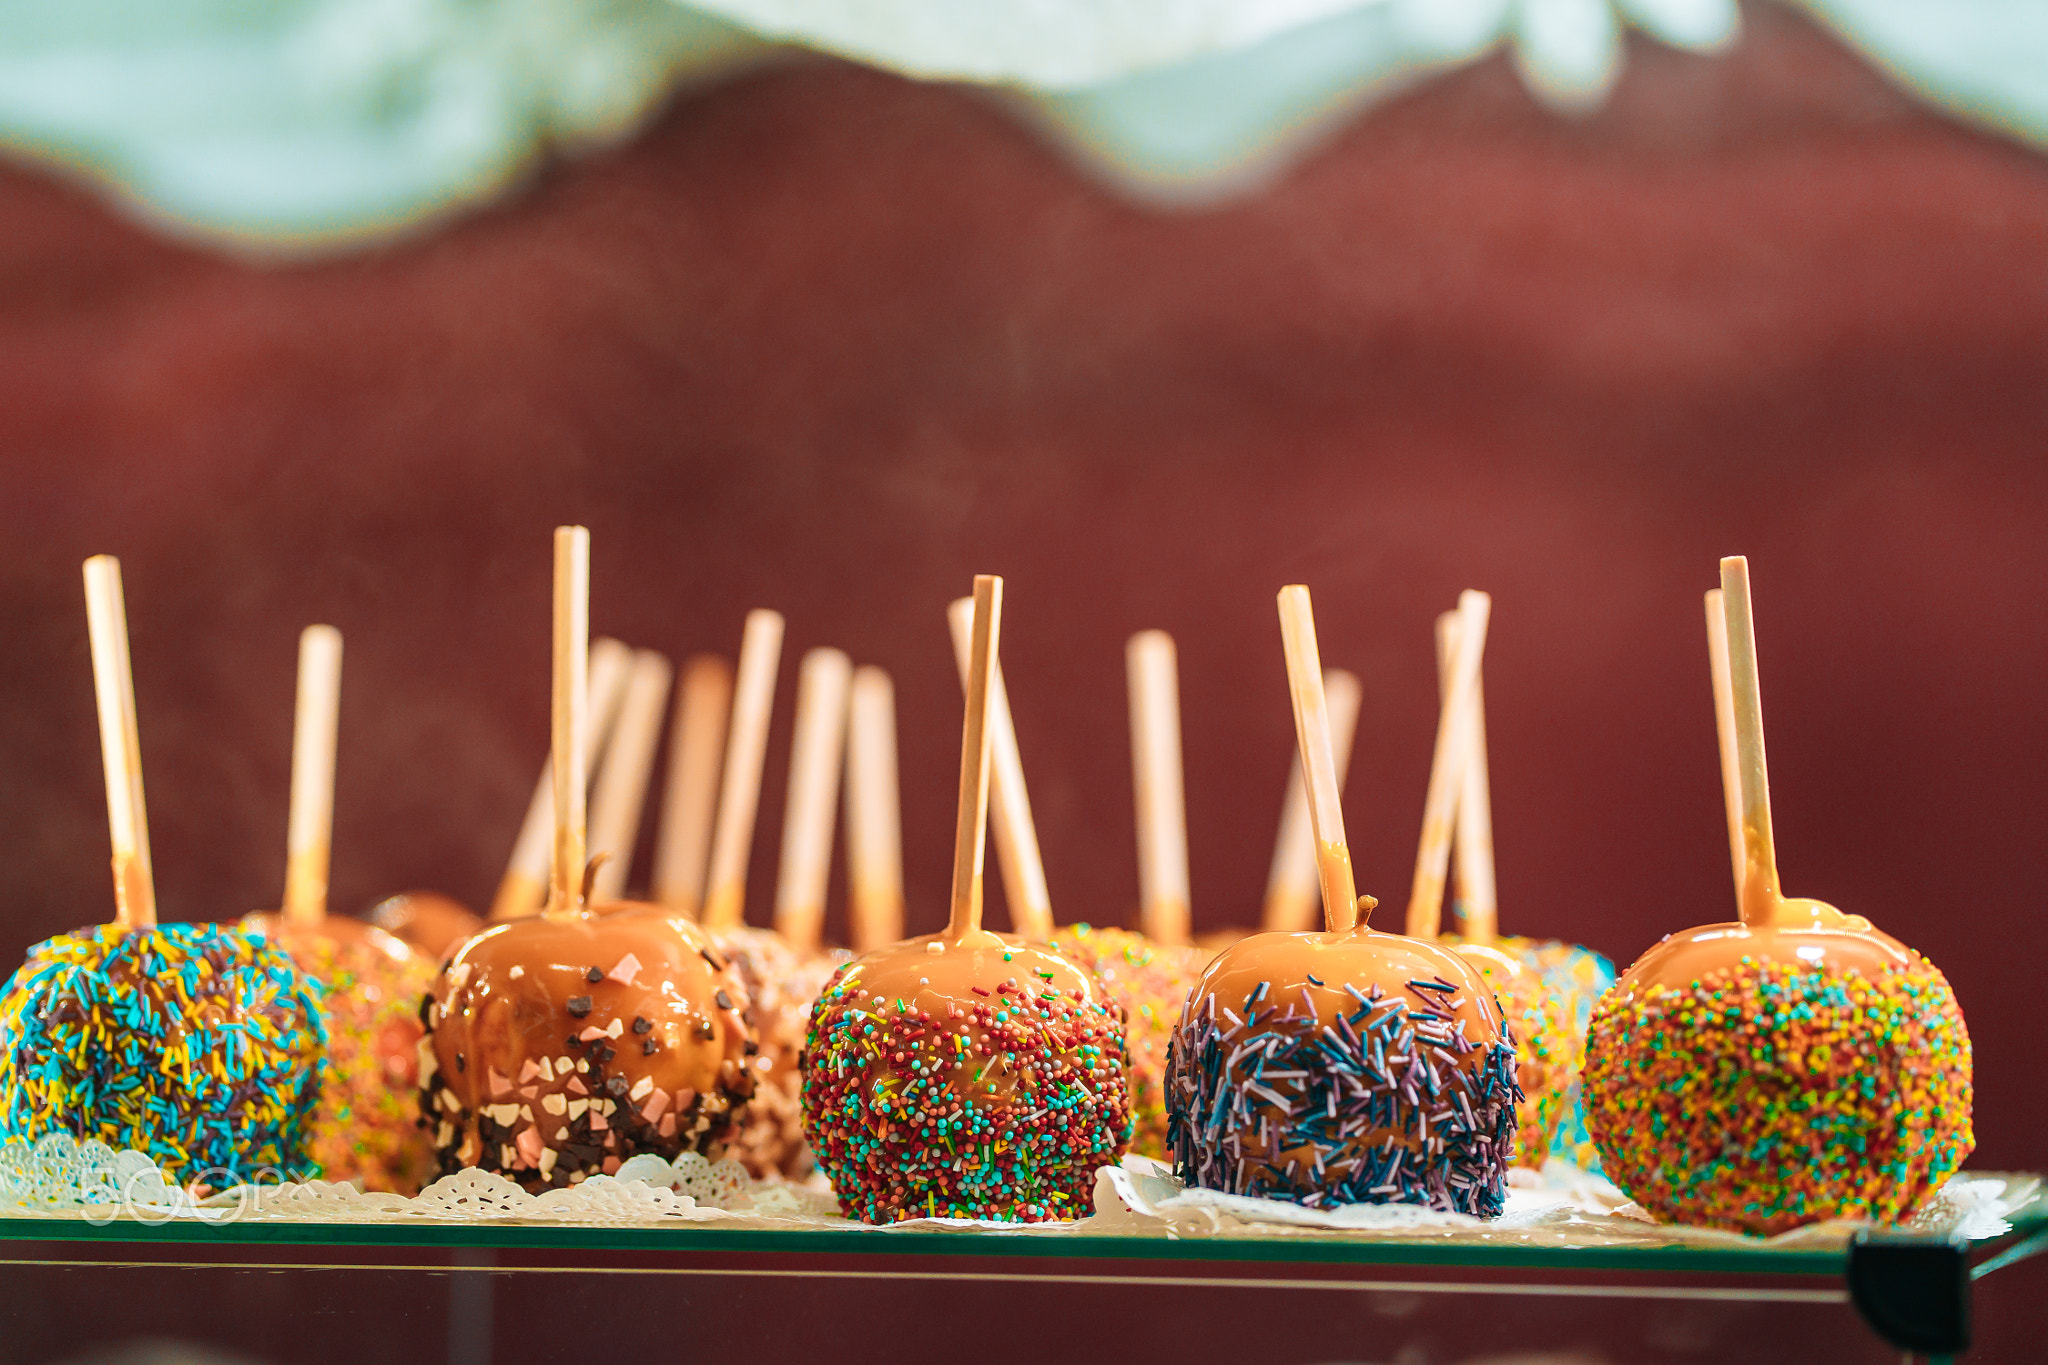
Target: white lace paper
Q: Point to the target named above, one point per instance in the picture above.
(1563, 1206)
(60, 1178)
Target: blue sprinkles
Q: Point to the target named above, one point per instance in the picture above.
(196, 1044)
(1387, 1104)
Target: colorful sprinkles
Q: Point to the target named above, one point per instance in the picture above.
(195, 1044)
(1549, 1004)
(1779, 1094)
(922, 1106)
(1151, 983)
(1388, 1101)
(366, 1125)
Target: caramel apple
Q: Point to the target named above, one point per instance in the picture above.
(366, 1125)
(783, 968)
(427, 921)
(562, 1044)
(1795, 1066)
(1346, 1066)
(962, 1074)
(198, 1045)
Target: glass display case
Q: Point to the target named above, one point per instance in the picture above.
(289, 1292)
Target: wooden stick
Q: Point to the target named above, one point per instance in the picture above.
(1760, 896)
(620, 792)
(524, 885)
(1724, 734)
(1292, 893)
(1151, 671)
(874, 822)
(571, 716)
(1439, 807)
(309, 831)
(113, 677)
(811, 805)
(970, 830)
(1342, 908)
(688, 806)
(746, 750)
(1017, 853)
(1476, 899)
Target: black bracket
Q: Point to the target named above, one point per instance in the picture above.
(1913, 1289)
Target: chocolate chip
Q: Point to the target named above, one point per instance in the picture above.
(603, 1053)
(573, 1041)
(617, 1085)
(579, 1005)
(641, 1024)
(461, 1062)
(705, 1030)
(647, 1048)
(593, 975)
(751, 1047)
(724, 1000)
(712, 958)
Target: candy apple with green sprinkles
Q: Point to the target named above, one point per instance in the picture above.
(965, 1074)
(1796, 1066)
(366, 1127)
(198, 1045)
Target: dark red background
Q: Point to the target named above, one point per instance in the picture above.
(831, 342)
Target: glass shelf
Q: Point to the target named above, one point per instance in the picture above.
(282, 1293)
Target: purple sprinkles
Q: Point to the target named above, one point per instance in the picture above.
(1388, 1104)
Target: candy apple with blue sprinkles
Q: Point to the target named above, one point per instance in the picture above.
(965, 1074)
(197, 1045)
(1347, 1066)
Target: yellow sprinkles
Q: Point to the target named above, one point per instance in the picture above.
(1151, 987)
(1549, 1009)
(1765, 1098)
(367, 1124)
(930, 1108)
(195, 1044)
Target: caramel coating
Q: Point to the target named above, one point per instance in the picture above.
(559, 1046)
(1344, 1067)
(1803, 932)
(431, 922)
(973, 1077)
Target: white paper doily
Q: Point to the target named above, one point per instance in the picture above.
(61, 1178)
(1563, 1206)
